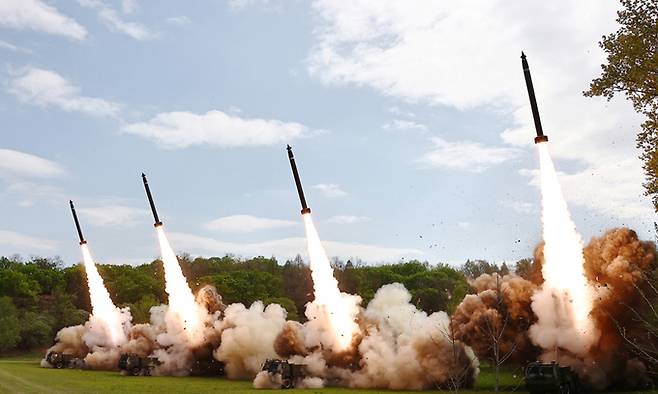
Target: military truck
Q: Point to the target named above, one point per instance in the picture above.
(132, 364)
(290, 373)
(207, 367)
(551, 378)
(61, 360)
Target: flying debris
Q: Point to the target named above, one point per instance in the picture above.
(533, 101)
(300, 191)
(77, 223)
(157, 223)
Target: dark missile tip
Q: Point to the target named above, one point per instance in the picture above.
(522, 55)
(288, 147)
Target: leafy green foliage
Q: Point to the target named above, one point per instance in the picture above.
(41, 296)
(9, 325)
(245, 286)
(35, 330)
(632, 69)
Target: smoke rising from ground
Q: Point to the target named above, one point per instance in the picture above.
(500, 309)
(394, 345)
(617, 266)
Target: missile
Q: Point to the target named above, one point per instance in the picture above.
(533, 101)
(77, 223)
(150, 197)
(295, 174)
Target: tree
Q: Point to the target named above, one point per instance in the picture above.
(523, 268)
(141, 310)
(496, 322)
(474, 268)
(632, 69)
(9, 325)
(35, 330)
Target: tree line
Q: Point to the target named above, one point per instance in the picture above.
(39, 296)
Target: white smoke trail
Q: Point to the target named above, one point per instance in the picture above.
(103, 311)
(186, 315)
(332, 313)
(564, 303)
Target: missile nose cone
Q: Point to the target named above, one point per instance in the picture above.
(522, 55)
(288, 147)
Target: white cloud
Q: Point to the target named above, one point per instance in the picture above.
(46, 88)
(518, 206)
(13, 162)
(28, 193)
(108, 215)
(247, 223)
(112, 20)
(348, 219)
(400, 124)
(397, 111)
(24, 242)
(179, 20)
(607, 189)
(129, 6)
(39, 16)
(465, 155)
(288, 248)
(240, 4)
(216, 128)
(466, 55)
(330, 190)
(11, 47)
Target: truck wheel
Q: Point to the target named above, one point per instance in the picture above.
(59, 365)
(287, 384)
(135, 371)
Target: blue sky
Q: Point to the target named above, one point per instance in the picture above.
(409, 121)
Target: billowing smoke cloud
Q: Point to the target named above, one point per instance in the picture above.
(98, 339)
(618, 267)
(399, 347)
(495, 320)
(248, 336)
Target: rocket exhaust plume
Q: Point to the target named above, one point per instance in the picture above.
(564, 303)
(103, 311)
(187, 314)
(329, 303)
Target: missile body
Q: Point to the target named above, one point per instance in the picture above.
(150, 197)
(77, 223)
(533, 101)
(298, 182)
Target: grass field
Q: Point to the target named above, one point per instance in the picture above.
(22, 374)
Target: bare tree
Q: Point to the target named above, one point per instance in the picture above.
(459, 371)
(496, 325)
(642, 342)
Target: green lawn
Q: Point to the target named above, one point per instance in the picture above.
(22, 374)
